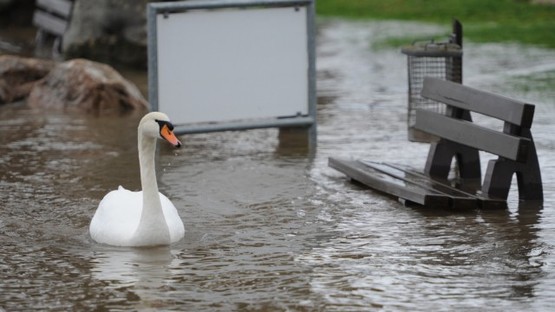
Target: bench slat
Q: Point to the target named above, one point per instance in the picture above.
(50, 23)
(485, 202)
(388, 184)
(493, 105)
(459, 200)
(58, 7)
(472, 135)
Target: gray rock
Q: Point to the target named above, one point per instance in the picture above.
(18, 75)
(86, 87)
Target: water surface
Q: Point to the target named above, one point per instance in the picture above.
(270, 227)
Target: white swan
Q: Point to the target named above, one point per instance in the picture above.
(145, 218)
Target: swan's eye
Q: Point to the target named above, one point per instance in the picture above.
(163, 123)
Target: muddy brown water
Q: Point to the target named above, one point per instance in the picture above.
(271, 227)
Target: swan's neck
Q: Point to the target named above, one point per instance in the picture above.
(152, 229)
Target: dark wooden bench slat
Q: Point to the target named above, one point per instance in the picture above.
(387, 184)
(493, 105)
(441, 186)
(467, 133)
(485, 202)
(459, 200)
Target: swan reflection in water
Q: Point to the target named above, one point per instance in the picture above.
(143, 276)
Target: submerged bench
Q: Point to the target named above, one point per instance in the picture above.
(51, 17)
(461, 140)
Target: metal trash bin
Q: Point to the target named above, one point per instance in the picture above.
(431, 59)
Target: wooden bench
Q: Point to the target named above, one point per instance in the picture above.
(51, 17)
(461, 139)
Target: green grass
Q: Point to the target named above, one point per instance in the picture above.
(483, 20)
(542, 82)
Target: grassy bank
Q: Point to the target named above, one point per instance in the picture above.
(483, 20)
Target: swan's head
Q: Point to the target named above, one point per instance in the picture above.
(158, 125)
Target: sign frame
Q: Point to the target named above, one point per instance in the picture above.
(305, 120)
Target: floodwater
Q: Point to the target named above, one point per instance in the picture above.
(269, 227)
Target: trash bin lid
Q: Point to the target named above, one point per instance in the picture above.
(433, 49)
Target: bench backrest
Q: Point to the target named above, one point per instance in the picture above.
(517, 116)
(497, 106)
(53, 15)
(462, 139)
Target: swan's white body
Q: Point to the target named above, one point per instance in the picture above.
(145, 218)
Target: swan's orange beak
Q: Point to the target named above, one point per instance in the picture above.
(169, 136)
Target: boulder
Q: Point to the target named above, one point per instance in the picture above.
(18, 75)
(85, 86)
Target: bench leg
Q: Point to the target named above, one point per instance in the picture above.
(529, 176)
(530, 185)
(499, 175)
(441, 156)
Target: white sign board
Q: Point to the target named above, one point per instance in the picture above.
(226, 64)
